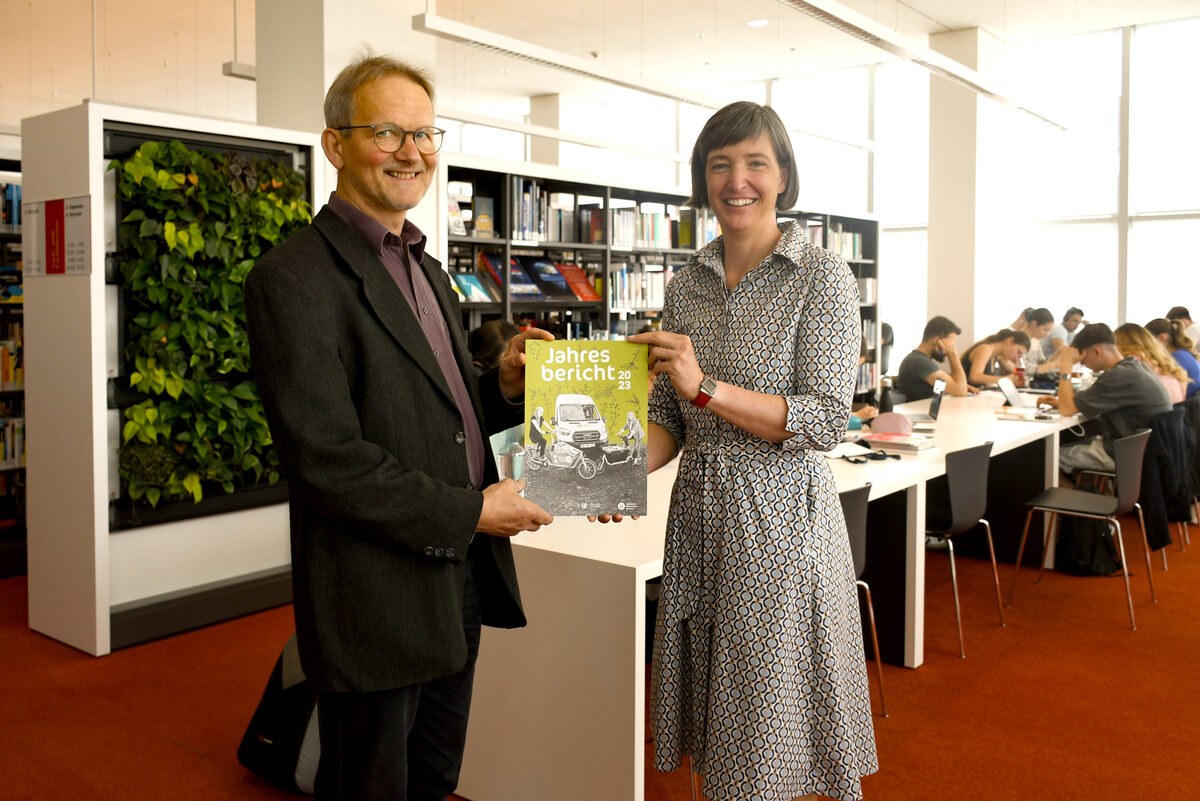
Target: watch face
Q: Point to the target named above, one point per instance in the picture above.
(708, 386)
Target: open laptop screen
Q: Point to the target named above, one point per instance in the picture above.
(939, 388)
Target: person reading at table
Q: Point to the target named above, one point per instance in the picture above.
(996, 357)
(922, 368)
(1125, 396)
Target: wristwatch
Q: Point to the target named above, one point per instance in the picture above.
(708, 388)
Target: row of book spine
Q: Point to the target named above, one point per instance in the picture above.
(637, 288)
(868, 372)
(847, 244)
(10, 204)
(543, 216)
(12, 368)
(649, 229)
(868, 289)
(869, 329)
(12, 442)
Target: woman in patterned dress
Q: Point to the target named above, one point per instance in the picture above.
(758, 660)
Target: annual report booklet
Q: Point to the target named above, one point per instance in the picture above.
(585, 423)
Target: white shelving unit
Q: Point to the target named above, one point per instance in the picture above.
(80, 573)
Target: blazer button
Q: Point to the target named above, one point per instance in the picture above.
(439, 552)
(429, 550)
(450, 553)
(460, 438)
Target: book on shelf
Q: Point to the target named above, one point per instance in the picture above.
(488, 282)
(12, 370)
(867, 289)
(10, 204)
(579, 281)
(902, 443)
(12, 442)
(592, 398)
(471, 288)
(640, 286)
(454, 213)
(547, 277)
(12, 289)
(521, 286)
(484, 216)
(847, 244)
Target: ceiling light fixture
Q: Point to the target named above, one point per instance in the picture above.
(758, 23)
(470, 36)
(235, 68)
(864, 28)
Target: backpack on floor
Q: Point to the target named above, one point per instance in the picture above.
(282, 744)
(1085, 547)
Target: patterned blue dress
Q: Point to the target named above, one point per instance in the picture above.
(758, 657)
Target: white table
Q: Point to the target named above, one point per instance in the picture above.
(559, 706)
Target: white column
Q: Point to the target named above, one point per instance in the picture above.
(963, 216)
(545, 110)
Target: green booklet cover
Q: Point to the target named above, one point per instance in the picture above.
(585, 423)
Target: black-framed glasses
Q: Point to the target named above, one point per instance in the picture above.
(389, 138)
(874, 456)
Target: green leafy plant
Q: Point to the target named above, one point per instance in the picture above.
(194, 224)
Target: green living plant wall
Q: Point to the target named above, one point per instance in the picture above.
(194, 224)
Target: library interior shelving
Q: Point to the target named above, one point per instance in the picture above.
(624, 242)
(594, 259)
(12, 375)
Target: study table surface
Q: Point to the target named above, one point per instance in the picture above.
(559, 706)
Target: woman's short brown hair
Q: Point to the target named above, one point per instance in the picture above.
(735, 123)
(339, 100)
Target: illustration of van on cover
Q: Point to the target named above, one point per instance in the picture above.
(585, 423)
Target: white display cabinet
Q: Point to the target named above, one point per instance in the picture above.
(83, 577)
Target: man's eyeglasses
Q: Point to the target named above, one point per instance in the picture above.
(875, 456)
(389, 138)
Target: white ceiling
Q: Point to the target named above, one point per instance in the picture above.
(705, 44)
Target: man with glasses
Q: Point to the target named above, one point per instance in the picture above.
(399, 521)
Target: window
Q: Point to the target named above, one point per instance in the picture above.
(1162, 271)
(904, 260)
(1075, 81)
(1164, 168)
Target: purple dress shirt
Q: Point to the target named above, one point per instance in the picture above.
(401, 256)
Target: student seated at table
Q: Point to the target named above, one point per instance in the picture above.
(996, 357)
(921, 368)
(1135, 341)
(1036, 324)
(1172, 334)
(1190, 326)
(1125, 396)
(1064, 333)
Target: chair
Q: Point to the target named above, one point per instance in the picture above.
(966, 476)
(854, 507)
(1128, 453)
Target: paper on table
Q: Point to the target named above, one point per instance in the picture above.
(847, 449)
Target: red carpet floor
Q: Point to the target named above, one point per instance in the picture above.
(1064, 703)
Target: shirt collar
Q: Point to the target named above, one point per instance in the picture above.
(375, 233)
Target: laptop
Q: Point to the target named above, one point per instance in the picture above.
(925, 422)
(1021, 404)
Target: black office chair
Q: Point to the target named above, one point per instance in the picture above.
(1128, 452)
(854, 507)
(966, 477)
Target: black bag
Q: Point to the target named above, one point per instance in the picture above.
(1085, 547)
(281, 744)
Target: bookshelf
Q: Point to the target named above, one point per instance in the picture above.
(12, 379)
(629, 241)
(91, 585)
